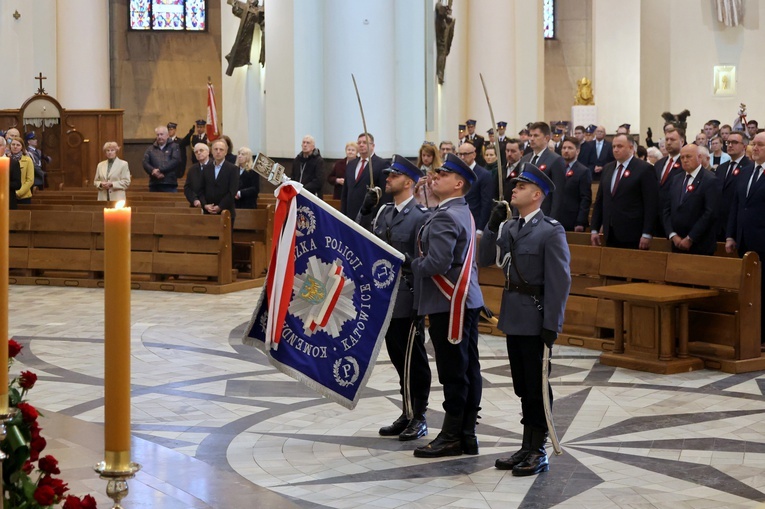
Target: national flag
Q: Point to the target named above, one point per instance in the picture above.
(328, 297)
(212, 114)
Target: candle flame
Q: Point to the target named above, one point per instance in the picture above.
(119, 204)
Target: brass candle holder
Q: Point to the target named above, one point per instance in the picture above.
(116, 486)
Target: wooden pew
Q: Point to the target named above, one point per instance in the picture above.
(252, 240)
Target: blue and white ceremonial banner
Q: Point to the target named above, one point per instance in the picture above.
(328, 297)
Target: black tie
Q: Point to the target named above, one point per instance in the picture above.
(759, 172)
(521, 222)
(686, 181)
(534, 160)
(731, 167)
(395, 212)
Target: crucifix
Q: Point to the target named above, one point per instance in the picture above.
(39, 78)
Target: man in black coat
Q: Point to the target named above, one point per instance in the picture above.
(357, 177)
(477, 141)
(625, 206)
(690, 213)
(543, 158)
(666, 168)
(479, 198)
(600, 153)
(220, 182)
(573, 189)
(731, 173)
(308, 167)
(193, 185)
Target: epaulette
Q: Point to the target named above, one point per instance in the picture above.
(551, 220)
(423, 208)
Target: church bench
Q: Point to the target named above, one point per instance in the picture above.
(252, 234)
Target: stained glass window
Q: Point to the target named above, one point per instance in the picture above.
(548, 18)
(168, 15)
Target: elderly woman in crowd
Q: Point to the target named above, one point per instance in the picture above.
(112, 175)
(249, 181)
(718, 156)
(653, 155)
(337, 176)
(20, 160)
(428, 160)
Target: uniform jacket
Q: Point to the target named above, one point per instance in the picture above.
(168, 160)
(551, 164)
(573, 196)
(730, 183)
(119, 176)
(309, 171)
(220, 191)
(480, 196)
(400, 232)
(249, 188)
(354, 191)
(443, 245)
(746, 223)
(694, 212)
(632, 211)
(542, 257)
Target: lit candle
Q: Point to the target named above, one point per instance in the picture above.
(117, 337)
(5, 202)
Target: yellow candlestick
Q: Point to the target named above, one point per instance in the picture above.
(117, 337)
(5, 201)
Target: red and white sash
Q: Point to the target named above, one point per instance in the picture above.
(457, 293)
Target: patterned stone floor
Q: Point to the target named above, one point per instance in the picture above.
(216, 426)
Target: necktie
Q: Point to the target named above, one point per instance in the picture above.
(521, 222)
(731, 167)
(759, 173)
(395, 212)
(361, 170)
(666, 171)
(598, 147)
(755, 178)
(534, 160)
(684, 191)
(618, 178)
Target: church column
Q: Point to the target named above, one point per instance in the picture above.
(616, 62)
(409, 76)
(529, 53)
(82, 53)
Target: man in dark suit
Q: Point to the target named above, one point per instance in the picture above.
(194, 182)
(357, 177)
(308, 167)
(666, 168)
(746, 224)
(479, 198)
(625, 206)
(731, 173)
(543, 158)
(585, 147)
(446, 289)
(535, 259)
(510, 170)
(600, 154)
(197, 134)
(220, 182)
(690, 213)
(573, 189)
(477, 141)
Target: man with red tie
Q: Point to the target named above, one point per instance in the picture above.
(732, 172)
(666, 168)
(625, 206)
(357, 177)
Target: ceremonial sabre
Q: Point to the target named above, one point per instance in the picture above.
(546, 402)
(366, 135)
(500, 171)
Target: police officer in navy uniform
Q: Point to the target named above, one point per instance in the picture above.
(397, 223)
(533, 253)
(446, 289)
(197, 134)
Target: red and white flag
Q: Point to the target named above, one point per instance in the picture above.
(212, 114)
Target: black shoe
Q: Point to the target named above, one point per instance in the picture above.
(447, 443)
(470, 445)
(518, 456)
(396, 428)
(469, 439)
(536, 461)
(417, 428)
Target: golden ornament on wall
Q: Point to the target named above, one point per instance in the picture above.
(584, 95)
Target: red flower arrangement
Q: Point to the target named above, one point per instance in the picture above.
(23, 445)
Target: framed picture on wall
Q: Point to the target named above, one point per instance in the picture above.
(724, 80)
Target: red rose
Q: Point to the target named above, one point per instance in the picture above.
(36, 446)
(72, 502)
(45, 496)
(28, 412)
(34, 430)
(27, 467)
(13, 348)
(88, 502)
(27, 380)
(59, 487)
(49, 465)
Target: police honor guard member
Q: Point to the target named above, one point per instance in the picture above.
(446, 289)
(534, 255)
(398, 223)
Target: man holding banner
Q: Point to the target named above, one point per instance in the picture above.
(446, 289)
(398, 223)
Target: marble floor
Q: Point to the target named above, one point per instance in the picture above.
(215, 426)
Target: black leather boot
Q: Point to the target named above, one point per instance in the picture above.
(518, 456)
(396, 428)
(417, 427)
(536, 460)
(469, 440)
(447, 443)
